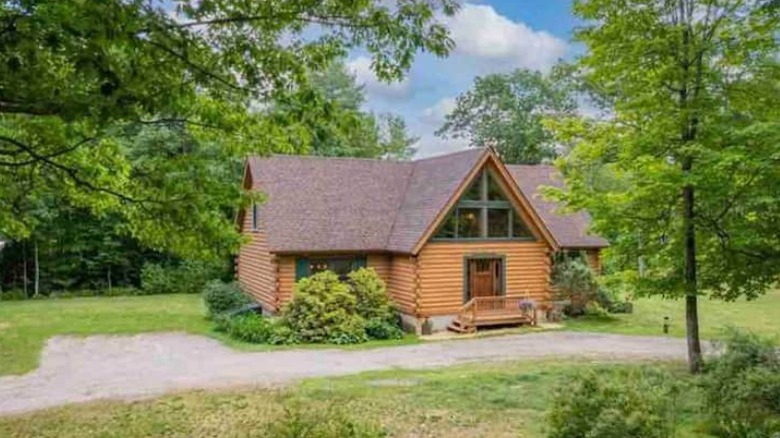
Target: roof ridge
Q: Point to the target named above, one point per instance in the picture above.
(378, 160)
(319, 157)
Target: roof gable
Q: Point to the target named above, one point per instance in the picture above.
(517, 199)
(317, 204)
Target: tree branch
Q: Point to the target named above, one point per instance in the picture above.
(69, 171)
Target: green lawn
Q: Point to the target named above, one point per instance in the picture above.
(25, 325)
(478, 400)
(761, 316)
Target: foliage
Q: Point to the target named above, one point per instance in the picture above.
(342, 128)
(332, 422)
(75, 251)
(323, 310)
(382, 329)
(575, 281)
(184, 278)
(124, 291)
(506, 111)
(635, 403)
(326, 310)
(742, 388)
(86, 85)
(371, 298)
(682, 173)
(249, 327)
(221, 297)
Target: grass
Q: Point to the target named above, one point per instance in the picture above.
(26, 325)
(496, 400)
(761, 316)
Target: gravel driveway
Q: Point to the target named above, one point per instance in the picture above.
(99, 367)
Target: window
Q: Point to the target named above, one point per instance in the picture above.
(469, 222)
(342, 266)
(498, 222)
(254, 216)
(483, 212)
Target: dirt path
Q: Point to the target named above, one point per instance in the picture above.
(99, 367)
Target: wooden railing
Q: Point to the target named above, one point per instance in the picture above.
(483, 306)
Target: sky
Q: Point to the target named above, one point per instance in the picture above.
(491, 36)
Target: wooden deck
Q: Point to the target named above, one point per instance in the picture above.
(493, 311)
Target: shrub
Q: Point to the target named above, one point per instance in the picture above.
(332, 422)
(381, 329)
(371, 296)
(323, 309)
(742, 388)
(576, 282)
(186, 277)
(622, 403)
(13, 295)
(221, 297)
(249, 327)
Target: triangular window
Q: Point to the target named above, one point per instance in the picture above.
(484, 212)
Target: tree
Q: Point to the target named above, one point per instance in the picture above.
(341, 127)
(395, 140)
(79, 80)
(684, 174)
(506, 111)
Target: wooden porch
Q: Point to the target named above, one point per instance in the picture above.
(493, 311)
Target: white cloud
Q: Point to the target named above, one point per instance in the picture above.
(430, 145)
(481, 32)
(435, 114)
(361, 68)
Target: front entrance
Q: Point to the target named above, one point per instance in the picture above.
(484, 277)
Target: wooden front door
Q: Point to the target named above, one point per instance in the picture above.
(484, 277)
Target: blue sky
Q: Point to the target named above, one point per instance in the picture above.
(491, 37)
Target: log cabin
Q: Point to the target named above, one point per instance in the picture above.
(449, 235)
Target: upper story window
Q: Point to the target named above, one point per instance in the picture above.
(484, 212)
(255, 216)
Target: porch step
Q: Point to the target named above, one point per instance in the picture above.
(458, 326)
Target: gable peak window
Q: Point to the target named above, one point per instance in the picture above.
(484, 212)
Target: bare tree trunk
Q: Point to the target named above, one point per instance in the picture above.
(37, 287)
(109, 278)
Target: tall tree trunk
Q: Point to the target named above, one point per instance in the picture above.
(691, 287)
(37, 287)
(689, 226)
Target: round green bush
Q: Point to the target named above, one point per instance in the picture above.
(249, 327)
(222, 297)
(322, 310)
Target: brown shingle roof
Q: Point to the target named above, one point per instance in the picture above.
(570, 230)
(344, 204)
